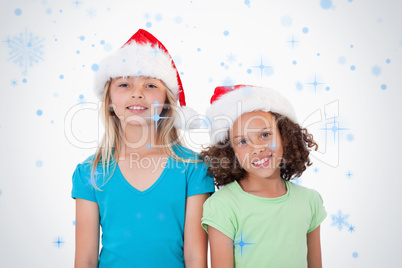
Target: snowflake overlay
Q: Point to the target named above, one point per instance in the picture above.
(340, 220)
(26, 49)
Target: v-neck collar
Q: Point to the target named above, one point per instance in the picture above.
(135, 190)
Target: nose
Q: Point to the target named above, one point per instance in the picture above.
(259, 148)
(137, 93)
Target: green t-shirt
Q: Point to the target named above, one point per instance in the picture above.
(276, 228)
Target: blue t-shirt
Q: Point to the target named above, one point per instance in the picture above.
(143, 229)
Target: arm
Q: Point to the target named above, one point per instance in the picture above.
(86, 234)
(195, 238)
(314, 249)
(221, 249)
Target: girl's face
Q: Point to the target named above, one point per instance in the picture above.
(256, 141)
(138, 96)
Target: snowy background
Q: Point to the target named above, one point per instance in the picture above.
(337, 61)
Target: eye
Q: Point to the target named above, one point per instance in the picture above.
(151, 86)
(242, 142)
(123, 85)
(265, 135)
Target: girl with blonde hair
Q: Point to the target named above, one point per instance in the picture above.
(142, 186)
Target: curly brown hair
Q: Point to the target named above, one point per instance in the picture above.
(296, 143)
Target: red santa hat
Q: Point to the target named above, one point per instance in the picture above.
(229, 102)
(144, 55)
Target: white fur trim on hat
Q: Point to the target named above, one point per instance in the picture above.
(230, 106)
(135, 60)
(187, 118)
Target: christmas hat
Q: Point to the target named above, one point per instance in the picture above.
(144, 55)
(229, 102)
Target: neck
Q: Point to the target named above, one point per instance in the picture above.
(273, 186)
(138, 139)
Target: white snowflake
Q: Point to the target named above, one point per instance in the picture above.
(231, 58)
(26, 49)
(14, 83)
(91, 13)
(340, 220)
(77, 3)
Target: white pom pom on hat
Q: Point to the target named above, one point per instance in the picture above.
(229, 102)
(143, 55)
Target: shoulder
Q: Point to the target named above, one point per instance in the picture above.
(304, 192)
(83, 170)
(87, 162)
(185, 153)
(225, 195)
(188, 159)
(222, 206)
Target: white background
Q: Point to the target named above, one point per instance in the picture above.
(44, 81)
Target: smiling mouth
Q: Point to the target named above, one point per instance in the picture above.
(262, 162)
(136, 108)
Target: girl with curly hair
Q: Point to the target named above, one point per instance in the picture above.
(260, 218)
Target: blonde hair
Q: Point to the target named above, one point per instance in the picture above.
(109, 148)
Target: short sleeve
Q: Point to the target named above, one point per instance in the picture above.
(318, 211)
(219, 217)
(198, 181)
(83, 187)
